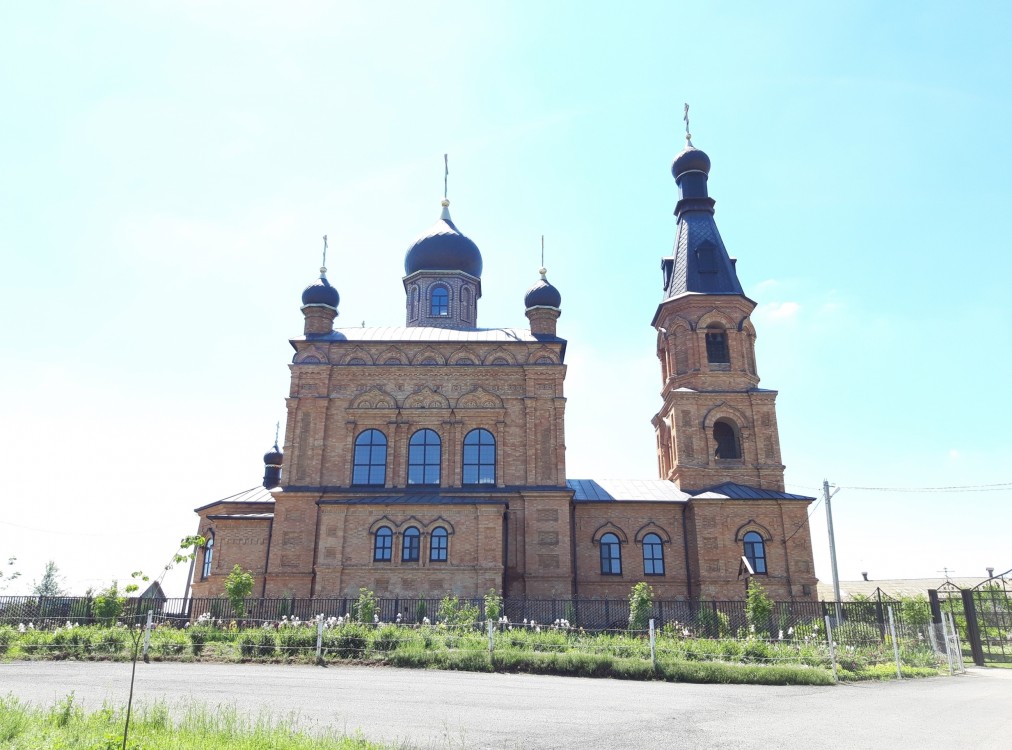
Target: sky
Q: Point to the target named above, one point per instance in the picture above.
(169, 168)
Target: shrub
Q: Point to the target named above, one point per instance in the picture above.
(641, 606)
(169, 642)
(493, 605)
(712, 624)
(365, 607)
(346, 641)
(238, 586)
(109, 640)
(108, 605)
(7, 636)
(386, 638)
(758, 608)
(456, 613)
(292, 640)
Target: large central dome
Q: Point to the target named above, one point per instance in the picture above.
(443, 248)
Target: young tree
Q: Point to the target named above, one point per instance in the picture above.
(758, 608)
(51, 582)
(641, 606)
(238, 586)
(10, 575)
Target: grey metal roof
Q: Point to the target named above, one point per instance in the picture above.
(612, 490)
(735, 491)
(254, 495)
(697, 237)
(414, 499)
(425, 333)
(241, 516)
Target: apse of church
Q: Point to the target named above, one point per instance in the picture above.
(430, 458)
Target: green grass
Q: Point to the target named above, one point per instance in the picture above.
(66, 726)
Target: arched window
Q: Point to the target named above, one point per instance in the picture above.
(383, 545)
(370, 458)
(479, 457)
(755, 552)
(439, 302)
(437, 544)
(727, 441)
(205, 571)
(653, 555)
(611, 555)
(423, 457)
(716, 345)
(410, 544)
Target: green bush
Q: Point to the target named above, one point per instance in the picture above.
(168, 641)
(108, 604)
(711, 624)
(346, 641)
(455, 613)
(7, 636)
(386, 638)
(641, 606)
(109, 640)
(297, 640)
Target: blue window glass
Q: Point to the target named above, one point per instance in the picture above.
(479, 457)
(370, 458)
(440, 302)
(653, 555)
(438, 544)
(611, 555)
(424, 450)
(208, 555)
(383, 545)
(755, 552)
(411, 545)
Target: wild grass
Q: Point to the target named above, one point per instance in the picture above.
(65, 725)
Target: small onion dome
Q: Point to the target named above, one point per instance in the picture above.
(443, 248)
(690, 160)
(320, 292)
(273, 457)
(543, 294)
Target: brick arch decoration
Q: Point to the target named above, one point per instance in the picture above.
(382, 521)
(652, 527)
(716, 316)
(726, 411)
(374, 398)
(752, 525)
(606, 527)
(464, 356)
(392, 356)
(500, 357)
(542, 356)
(357, 356)
(439, 521)
(311, 356)
(426, 398)
(409, 521)
(479, 398)
(428, 356)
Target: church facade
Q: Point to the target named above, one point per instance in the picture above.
(430, 458)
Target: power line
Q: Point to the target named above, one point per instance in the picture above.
(996, 487)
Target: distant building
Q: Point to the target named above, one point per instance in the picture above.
(430, 457)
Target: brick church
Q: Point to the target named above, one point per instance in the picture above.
(430, 457)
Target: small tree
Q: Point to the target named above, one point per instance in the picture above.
(10, 575)
(109, 603)
(493, 605)
(238, 586)
(641, 606)
(758, 607)
(50, 583)
(365, 607)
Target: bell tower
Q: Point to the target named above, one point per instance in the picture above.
(716, 424)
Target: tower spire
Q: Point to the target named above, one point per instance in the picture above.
(323, 266)
(446, 174)
(688, 135)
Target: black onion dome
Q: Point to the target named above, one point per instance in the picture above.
(320, 292)
(443, 248)
(273, 457)
(543, 294)
(691, 159)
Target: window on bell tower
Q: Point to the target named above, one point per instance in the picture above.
(726, 438)
(439, 302)
(716, 345)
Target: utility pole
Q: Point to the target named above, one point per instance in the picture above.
(826, 494)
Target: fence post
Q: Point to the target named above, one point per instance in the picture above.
(491, 640)
(955, 640)
(147, 635)
(972, 627)
(896, 645)
(832, 648)
(653, 645)
(319, 639)
(948, 649)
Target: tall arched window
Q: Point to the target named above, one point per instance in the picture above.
(410, 544)
(205, 571)
(479, 457)
(370, 458)
(423, 457)
(611, 555)
(653, 555)
(716, 345)
(755, 552)
(383, 545)
(726, 438)
(439, 302)
(437, 544)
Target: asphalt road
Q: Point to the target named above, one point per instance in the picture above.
(429, 709)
